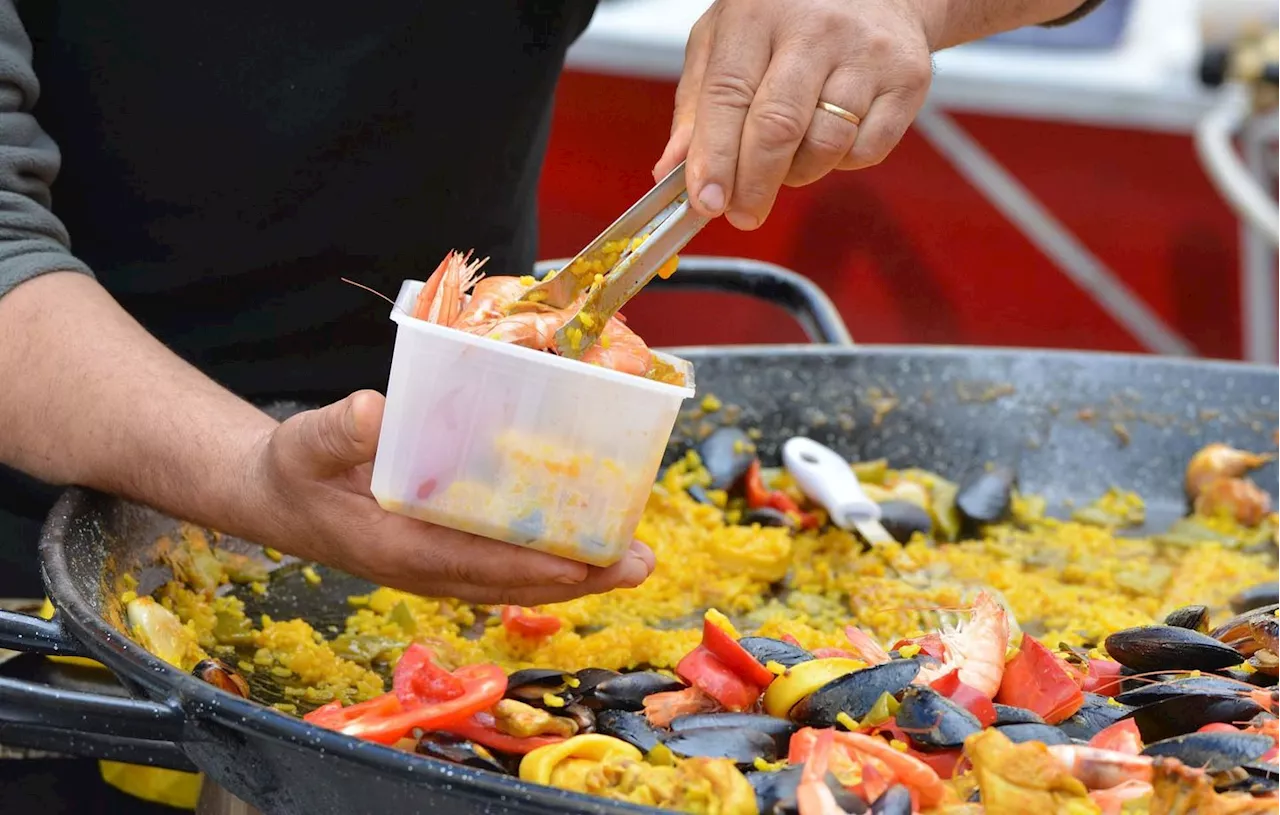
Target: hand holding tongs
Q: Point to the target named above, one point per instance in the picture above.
(665, 216)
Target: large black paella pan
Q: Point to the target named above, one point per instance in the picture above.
(1070, 423)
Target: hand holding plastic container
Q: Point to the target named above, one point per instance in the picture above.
(519, 445)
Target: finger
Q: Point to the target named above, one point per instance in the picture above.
(736, 63)
(422, 554)
(336, 437)
(882, 128)
(695, 67)
(830, 138)
(777, 121)
(629, 572)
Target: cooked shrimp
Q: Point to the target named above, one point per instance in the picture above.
(1111, 801)
(867, 649)
(899, 767)
(661, 708)
(975, 649)
(1102, 769)
(458, 296)
(1216, 461)
(1237, 498)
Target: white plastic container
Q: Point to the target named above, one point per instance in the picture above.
(519, 445)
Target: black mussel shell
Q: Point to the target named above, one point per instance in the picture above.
(541, 677)
(740, 745)
(780, 729)
(933, 721)
(627, 691)
(726, 453)
(1195, 618)
(1146, 694)
(775, 787)
(767, 649)
(460, 751)
(633, 728)
(987, 497)
(1044, 733)
(1181, 715)
(699, 494)
(1263, 594)
(894, 801)
(222, 676)
(532, 685)
(1216, 752)
(854, 694)
(767, 516)
(1169, 648)
(1258, 785)
(1261, 770)
(1009, 714)
(1097, 713)
(588, 678)
(903, 519)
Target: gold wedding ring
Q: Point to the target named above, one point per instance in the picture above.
(851, 118)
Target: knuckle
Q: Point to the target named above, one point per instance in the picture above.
(826, 146)
(450, 569)
(729, 90)
(778, 123)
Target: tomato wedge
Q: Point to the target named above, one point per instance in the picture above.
(972, 700)
(758, 495)
(528, 623)
(385, 720)
(1036, 679)
(707, 673)
(1122, 737)
(1104, 678)
(736, 658)
(481, 729)
(418, 680)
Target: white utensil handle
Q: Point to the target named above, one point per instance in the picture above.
(827, 479)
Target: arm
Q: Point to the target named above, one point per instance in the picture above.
(90, 398)
(952, 22)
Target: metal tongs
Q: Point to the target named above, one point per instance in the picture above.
(669, 222)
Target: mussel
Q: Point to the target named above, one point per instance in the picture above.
(533, 686)
(894, 801)
(1096, 713)
(1195, 618)
(738, 744)
(776, 792)
(934, 721)
(854, 694)
(780, 729)
(1044, 733)
(1180, 715)
(987, 497)
(1150, 648)
(1263, 594)
(767, 649)
(903, 519)
(1010, 714)
(627, 691)
(633, 728)
(726, 454)
(222, 676)
(768, 517)
(461, 751)
(1214, 751)
(1208, 685)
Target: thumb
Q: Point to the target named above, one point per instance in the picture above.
(337, 437)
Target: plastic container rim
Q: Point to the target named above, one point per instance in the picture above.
(402, 318)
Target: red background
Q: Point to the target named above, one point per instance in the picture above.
(910, 251)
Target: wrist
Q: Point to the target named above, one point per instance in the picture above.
(932, 16)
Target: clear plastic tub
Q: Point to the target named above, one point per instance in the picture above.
(519, 445)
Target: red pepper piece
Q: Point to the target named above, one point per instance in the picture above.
(1036, 679)
(707, 673)
(972, 700)
(418, 680)
(528, 623)
(1104, 678)
(1123, 737)
(734, 656)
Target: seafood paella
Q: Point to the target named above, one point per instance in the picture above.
(987, 658)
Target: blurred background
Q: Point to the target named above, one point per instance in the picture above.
(1109, 185)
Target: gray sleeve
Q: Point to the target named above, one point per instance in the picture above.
(1083, 9)
(32, 239)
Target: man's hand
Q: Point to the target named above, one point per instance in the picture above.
(747, 117)
(314, 472)
(747, 114)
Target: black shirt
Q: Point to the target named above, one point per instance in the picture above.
(224, 164)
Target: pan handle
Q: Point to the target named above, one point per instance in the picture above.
(800, 296)
(93, 725)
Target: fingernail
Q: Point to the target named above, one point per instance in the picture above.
(742, 220)
(712, 198)
(634, 572)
